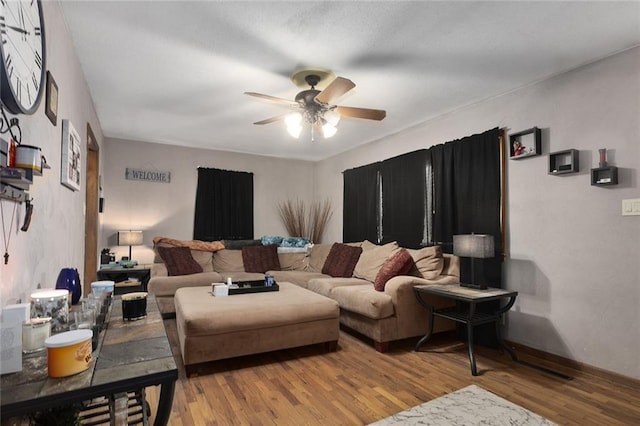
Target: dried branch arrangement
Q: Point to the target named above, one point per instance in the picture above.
(300, 222)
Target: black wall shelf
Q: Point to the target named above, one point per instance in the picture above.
(603, 176)
(564, 162)
(529, 143)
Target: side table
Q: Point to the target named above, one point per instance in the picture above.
(121, 276)
(466, 314)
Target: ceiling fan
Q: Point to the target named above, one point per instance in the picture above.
(315, 107)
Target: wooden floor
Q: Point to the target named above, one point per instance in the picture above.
(357, 385)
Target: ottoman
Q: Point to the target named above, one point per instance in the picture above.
(212, 328)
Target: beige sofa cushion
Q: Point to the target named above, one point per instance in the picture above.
(364, 300)
(299, 278)
(167, 286)
(373, 257)
(429, 262)
(324, 286)
(293, 261)
(318, 256)
(228, 261)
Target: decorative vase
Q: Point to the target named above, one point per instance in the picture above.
(69, 279)
(603, 157)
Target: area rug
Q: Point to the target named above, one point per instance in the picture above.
(468, 406)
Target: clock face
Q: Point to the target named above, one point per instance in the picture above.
(22, 52)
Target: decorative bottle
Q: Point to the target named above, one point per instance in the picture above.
(69, 279)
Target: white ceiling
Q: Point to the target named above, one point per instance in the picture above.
(175, 71)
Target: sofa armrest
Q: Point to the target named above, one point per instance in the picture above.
(409, 313)
(159, 270)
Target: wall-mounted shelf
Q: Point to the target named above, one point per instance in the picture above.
(15, 182)
(527, 143)
(563, 162)
(603, 176)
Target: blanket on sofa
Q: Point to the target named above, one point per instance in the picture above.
(211, 246)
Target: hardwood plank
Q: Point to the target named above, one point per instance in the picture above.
(356, 385)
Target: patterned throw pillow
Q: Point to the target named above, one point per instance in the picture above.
(179, 261)
(398, 264)
(341, 260)
(260, 258)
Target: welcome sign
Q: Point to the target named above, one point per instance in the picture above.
(147, 175)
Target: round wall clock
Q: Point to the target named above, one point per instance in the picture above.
(22, 55)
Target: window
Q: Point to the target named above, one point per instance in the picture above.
(224, 205)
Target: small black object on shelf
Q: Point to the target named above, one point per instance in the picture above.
(603, 176)
(563, 162)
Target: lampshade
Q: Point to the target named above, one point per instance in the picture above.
(473, 245)
(129, 238)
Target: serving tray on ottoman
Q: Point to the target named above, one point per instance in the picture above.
(213, 328)
(257, 286)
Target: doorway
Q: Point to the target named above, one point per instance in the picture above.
(91, 215)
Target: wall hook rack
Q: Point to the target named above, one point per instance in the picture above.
(9, 125)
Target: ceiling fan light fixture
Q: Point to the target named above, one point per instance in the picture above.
(293, 122)
(328, 129)
(332, 117)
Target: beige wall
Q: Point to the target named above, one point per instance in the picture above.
(571, 255)
(55, 238)
(161, 209)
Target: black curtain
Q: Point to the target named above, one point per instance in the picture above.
(224, 205)
(361, 204)
(466, 174)
(468, 196)
(404, 198)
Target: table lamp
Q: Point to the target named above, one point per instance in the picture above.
(475, 246)
(129, 238)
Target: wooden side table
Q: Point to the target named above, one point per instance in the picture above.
(122, 277)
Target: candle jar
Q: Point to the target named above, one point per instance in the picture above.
(54, 304)
(34, 333)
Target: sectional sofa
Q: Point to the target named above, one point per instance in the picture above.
(374, 294)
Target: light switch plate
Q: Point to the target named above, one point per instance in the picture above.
(631, 207)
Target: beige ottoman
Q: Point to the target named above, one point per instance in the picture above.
(212, 328)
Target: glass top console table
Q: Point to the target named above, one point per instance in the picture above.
(131, 355)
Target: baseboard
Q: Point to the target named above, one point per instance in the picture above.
(575, 365)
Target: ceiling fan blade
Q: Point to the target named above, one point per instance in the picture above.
(366, 113)
(270, 98)
(272, 119)
(335, 89)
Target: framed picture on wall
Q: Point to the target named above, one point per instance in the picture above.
(71, 157)
(51, 100)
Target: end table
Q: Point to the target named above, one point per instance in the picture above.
(121, 276)
(468, 316)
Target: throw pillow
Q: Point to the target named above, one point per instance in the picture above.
(341, 260)
(398, 264)
(260, 258)
(429, 262)
(228, 261)
(179, 261)
(372, 259)
(318, 257)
